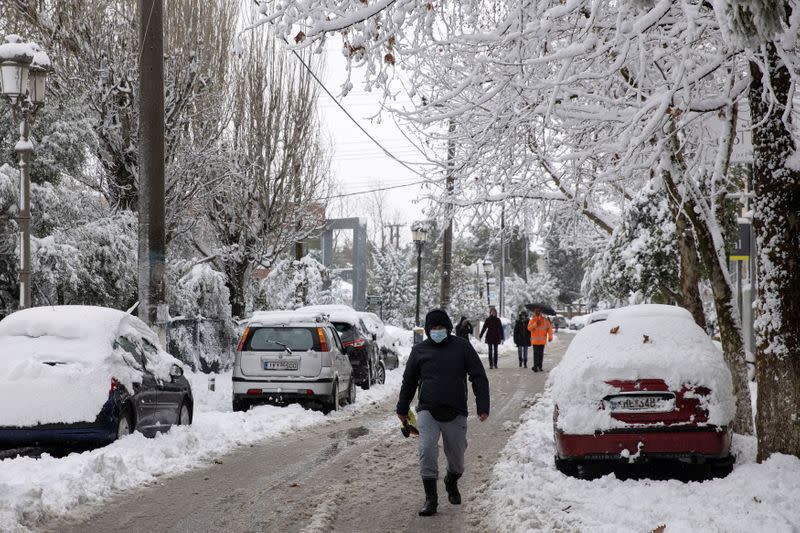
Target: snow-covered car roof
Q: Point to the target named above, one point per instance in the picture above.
(373, 322)
(638, 342)
(80, 333)
(337, 313)
(56, 363)
(275, 318)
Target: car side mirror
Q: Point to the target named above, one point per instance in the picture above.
(175, 372)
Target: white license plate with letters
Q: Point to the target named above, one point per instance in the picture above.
(281, 365)
(641, 403)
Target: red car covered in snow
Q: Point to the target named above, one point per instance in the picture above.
(645, 385)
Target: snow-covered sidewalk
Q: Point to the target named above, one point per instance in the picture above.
(529, 494)
(35, 489)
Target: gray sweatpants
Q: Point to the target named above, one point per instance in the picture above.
(454, 435)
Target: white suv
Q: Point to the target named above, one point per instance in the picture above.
(286, 356)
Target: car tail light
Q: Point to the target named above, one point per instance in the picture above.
(309, 392)
(114, 386)
(243, 340)
(358, 343)
(323, 343)
(254, 391)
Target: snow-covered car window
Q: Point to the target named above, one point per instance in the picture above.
(132, 354)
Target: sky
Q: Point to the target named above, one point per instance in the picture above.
(358, 164)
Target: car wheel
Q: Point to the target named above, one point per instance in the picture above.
(351, 392)
(568, 468)
(239, 405)
(184, 414)
(125, 425)
(333, 403)
(380, 375)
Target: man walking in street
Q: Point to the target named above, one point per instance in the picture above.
(439, 367)
(541, 333)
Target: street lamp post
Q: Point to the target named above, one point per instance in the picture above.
(419, 234)
(488, 268)
(23, 80)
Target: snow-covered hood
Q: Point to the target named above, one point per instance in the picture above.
(56, 363)
(677, 351)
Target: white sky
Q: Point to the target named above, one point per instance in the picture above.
(358, 164)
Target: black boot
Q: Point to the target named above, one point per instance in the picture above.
(431, 498)
(451, 485)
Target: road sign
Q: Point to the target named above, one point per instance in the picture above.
(374, 300)
(741, 249)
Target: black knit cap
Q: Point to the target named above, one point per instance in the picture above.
(437, 317)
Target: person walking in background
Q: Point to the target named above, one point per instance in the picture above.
(464, 328)
(541, 333)
(494, 335)
(438, 367)
(522, 338)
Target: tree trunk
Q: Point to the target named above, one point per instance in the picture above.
(690, 277)
(236, 274)
(777, 227)
(730, 330)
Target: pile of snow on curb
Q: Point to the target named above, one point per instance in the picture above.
(528, 493)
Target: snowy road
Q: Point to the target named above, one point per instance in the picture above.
(354, 473)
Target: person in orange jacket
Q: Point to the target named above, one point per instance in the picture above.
(541, 332)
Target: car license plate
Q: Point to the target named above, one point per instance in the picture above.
(280, 365)
(641, 403)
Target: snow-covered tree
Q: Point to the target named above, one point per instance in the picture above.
(276, 167)
(767, 31)
(91, 264)
(393, 279)
(641, 258)
(291, 284)
(539, 288)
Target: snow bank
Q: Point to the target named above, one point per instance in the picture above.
(56, 363)
(33, 490)
(527, 493)
(677, 351)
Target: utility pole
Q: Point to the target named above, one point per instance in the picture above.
(152, 235)
(447, 244)
(502, 299)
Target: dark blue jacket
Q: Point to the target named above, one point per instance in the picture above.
(440, 373)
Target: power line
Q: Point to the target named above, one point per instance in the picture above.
(377, 189)
(340, 106)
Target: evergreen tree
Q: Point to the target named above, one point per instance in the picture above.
(565, 265)
(393, 279)
(641, 258)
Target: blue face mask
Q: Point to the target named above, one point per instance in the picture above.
(438, 335)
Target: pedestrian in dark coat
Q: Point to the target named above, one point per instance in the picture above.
(522, 338)
(494, 335)
(464, 328)
(438, 367)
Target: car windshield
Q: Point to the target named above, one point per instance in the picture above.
(277, 339)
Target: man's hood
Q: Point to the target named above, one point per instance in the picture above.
(437, 317)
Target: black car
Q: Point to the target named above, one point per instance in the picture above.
(387, 345)
(363, 349)
(85, 375)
